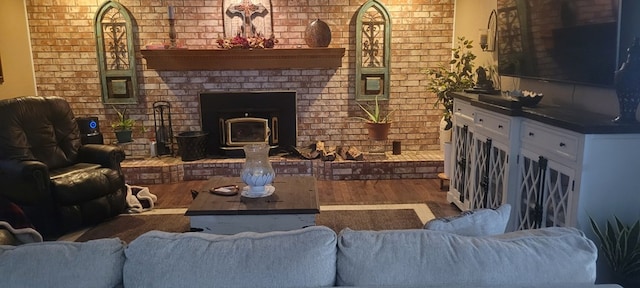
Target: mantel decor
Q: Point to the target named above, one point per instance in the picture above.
(318, 34)
(240, 42)
(242, 59)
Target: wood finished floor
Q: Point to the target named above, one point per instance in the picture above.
(352, 192)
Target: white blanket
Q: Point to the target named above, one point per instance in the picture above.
(22, 235)
(140, 199)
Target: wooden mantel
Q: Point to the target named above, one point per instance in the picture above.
(242, 59)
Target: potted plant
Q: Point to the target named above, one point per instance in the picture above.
(620, 244)
(123, 126)
(377, 123)
(456, 77)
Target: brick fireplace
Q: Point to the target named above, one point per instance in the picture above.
(64, 58)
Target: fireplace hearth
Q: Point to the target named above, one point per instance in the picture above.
(234, 119)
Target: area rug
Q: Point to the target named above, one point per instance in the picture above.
(369, 219)
(129, 227)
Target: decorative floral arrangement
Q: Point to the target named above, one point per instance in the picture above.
(247, 43)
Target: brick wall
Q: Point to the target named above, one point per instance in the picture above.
(64, 54)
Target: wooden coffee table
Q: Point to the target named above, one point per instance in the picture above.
(293, 205)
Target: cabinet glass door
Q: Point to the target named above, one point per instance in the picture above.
(530, 177)
(480, 168)
(558, 191)
(545, 191)
(490, 173)
(463, 146)
(498, 175)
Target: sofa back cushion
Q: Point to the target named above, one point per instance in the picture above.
(39, 128)
(415, 257)
(299, 258)
(96, 263)
(478, 222)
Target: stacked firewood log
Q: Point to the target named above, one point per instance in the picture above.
(329, 153)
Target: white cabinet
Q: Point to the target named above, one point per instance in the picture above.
(551, 176)
(547, 168)
(565, 177)
(482, 156)
(554, 165)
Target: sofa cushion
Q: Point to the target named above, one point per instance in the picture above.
(415, 257)
(479, 222)
(299, 258)
(96, 263)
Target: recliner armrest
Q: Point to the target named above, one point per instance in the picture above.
(105, 155)
(24, 182)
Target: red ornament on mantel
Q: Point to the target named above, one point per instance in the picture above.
(318, 34)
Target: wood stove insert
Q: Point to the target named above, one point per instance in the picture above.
(234, 119)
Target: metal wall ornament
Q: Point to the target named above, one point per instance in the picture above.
(116, 54)
(247, 18)
(373, 51)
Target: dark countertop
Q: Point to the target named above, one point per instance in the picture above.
(568, 118)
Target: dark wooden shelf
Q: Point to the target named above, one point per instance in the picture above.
(242, 59)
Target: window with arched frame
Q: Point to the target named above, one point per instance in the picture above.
(116, 54)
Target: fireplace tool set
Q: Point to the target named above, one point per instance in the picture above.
(163, 128)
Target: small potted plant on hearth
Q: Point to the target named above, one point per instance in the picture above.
(123, 126)
(377, 123)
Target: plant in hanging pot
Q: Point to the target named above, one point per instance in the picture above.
(123, 126)
(376, 122)
(457, 76)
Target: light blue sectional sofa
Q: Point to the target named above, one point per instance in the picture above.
(310, 257)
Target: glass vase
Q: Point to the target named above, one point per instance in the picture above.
(257, 172)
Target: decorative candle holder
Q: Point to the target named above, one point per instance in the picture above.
(172, 34)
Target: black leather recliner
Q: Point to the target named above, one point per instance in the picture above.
(60, 184)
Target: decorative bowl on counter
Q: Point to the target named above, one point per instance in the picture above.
(526, 98)
(530, 101)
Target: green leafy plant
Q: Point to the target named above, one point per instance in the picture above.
(123, 122)
(620, 244)
(374, 114)
(457, 76)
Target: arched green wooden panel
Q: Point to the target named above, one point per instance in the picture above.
(373, 51)
(116, 54)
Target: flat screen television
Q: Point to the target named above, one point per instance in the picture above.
(575, 41)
